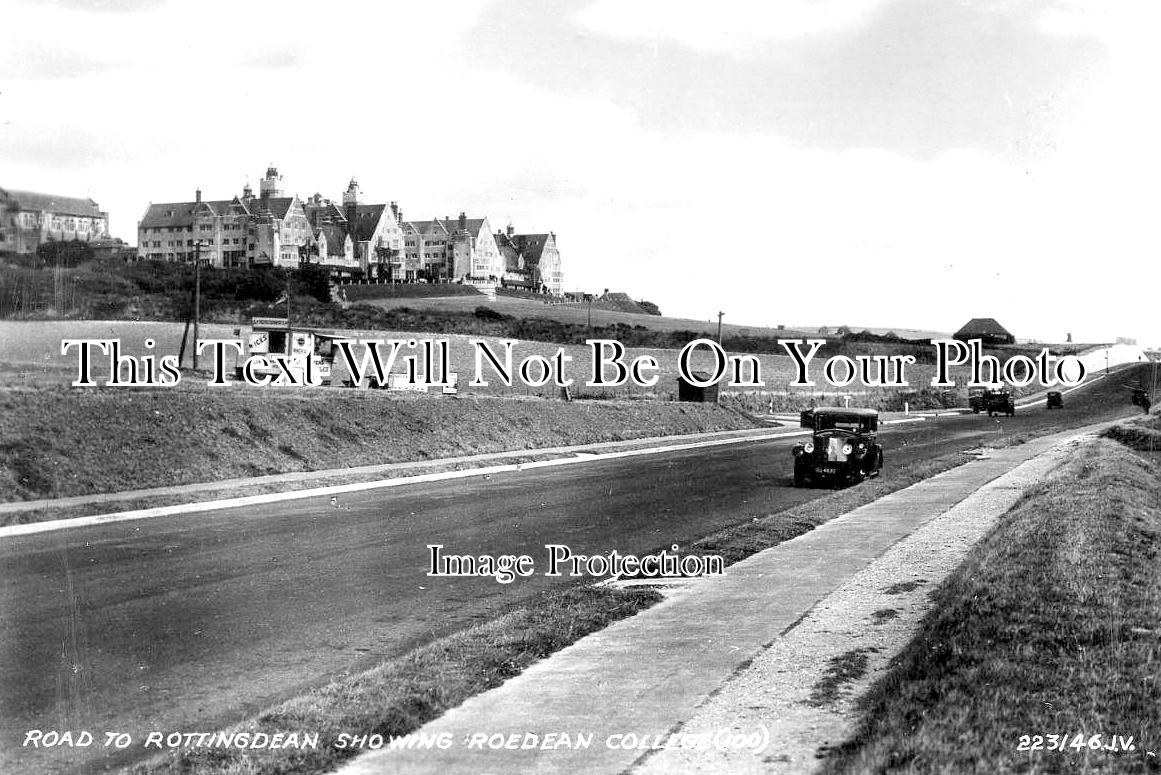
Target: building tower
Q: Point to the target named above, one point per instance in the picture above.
(271, 184)
(351, 202)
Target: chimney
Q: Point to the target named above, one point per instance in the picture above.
(198, 195)
(463, 222)
(511, 230)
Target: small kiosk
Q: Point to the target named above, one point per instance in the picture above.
(275, 336)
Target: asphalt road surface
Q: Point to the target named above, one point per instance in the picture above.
(191, 622)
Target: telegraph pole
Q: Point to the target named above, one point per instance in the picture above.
(720, 315)
(194, 309)
(197, 298)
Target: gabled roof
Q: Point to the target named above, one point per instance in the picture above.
(170, 214)
(336, 238)
(426, 227)
(447, 225)
(367, 219)
(275, 206)
(506, 245)
(324, 211)
(984, 326)
(531, 246)
(61, 205)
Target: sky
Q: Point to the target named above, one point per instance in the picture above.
(887, 163)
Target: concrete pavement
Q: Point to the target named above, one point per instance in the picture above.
(608, 702)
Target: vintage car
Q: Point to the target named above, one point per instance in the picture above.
(1054, 400)
(999, 401)
(842, 448)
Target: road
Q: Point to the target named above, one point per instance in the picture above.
(192, 622)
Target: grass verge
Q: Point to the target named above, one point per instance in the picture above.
(401, 695)
(1049, 627)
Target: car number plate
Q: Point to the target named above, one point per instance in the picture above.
(828, 469)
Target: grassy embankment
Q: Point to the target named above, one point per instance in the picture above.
(401, 695)
(62, 442)
(1049, 628)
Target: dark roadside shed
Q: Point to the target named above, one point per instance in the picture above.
(687, 391)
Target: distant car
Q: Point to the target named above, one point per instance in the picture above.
(843, 448)
(1055, 400)
(999, 401)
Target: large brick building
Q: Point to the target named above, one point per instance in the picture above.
(531, 261)
(28, 219)
(247, 230)
(461, 249)
(350, 237)
(375, 230)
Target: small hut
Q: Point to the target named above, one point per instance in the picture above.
(687, 391)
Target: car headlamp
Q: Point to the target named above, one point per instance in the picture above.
(808, 447)
(848, 449)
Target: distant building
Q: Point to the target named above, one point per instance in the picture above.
(335, 250)
(28, 219)
(247, 230)
(531, 261)
(986, 330)
(461, 249)
(112, 247)
(376, 231)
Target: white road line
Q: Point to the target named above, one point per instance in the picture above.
(275, 497)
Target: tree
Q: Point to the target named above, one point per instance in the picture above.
(312, 280)
(383, 258)
(70, 253)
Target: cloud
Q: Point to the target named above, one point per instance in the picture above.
(32, 60)
(940, 157)
(275, 59)
(103, 6)
(725, 25)
(913, 77)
